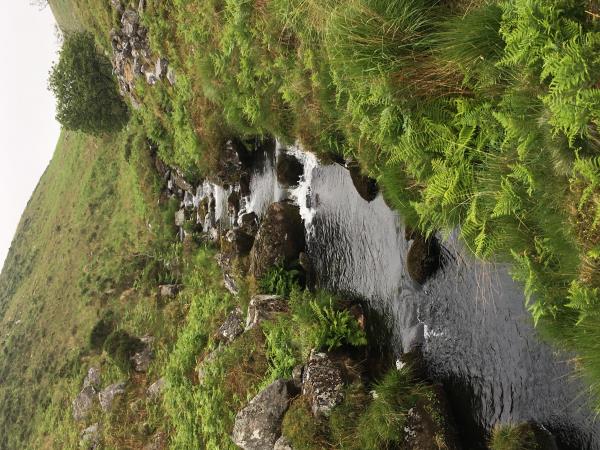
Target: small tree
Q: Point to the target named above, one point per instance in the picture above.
(85, 89)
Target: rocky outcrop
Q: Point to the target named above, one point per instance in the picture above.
(249, 223)
(258, 425)
(83, 403)
(264, 307)
(365, 186)
(108, 394)
(90, 437)
(155, 390)
(289, 169)
(225, 262)
(142, 359)
(232, 327)
(238, 242)
(280, 239)
(92, 378)
(322, 383)
(423, 258)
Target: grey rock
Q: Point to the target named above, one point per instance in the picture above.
(166, 291)
(283, 443)
(129, 22)
(171, 76)
(258, 425)
(264, 307)
(297, 376)
(142, 359)
(155, 390)
(181, 183)
(322, 383)
(232, 327)
(249, 223)
(92, 378)
(83, 403)
(109, 393)
(180, 218)
(238, 242)
(160, 68)
(90, 437)
(151, 78)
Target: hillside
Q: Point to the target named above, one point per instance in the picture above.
(88, 214)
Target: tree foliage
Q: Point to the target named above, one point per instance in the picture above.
(85, 89)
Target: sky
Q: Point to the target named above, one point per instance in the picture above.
(28, 129)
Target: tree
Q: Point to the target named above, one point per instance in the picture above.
(85, 89)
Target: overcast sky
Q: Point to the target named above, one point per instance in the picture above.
(28, 130)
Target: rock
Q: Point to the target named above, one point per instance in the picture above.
(116, 4)
(264, 307)
(108, 395)
(283, 443)
(83, 403)
(141, 360)
(92, 378)
(423, 258)
(297, 376)
(141, 7)
(249, 223)
(155, 389)
(151, 79)
(180, 218)
(168, 291)
(129, 22)
(181, 183)
(160, 68)
(232, 327)
(258, 425)
(238, 242)
(161, 167)
(90, 437)
(322, 383)
(280, 239)
(171, 76)
(289, 169)
(365, 186)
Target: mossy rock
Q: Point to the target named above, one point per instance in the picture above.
(423, 258)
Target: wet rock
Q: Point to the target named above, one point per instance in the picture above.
(168, 291)
(358, 313)
(258, 425)
(249, 223)
(171, 76)
(141, 360)
(322, 383)
(423, 258)
(83, 403)
(233, 202)
(283, 443)
(280, 239)
(230, 164)
(155, 390)
(180, 218)
(365, 186)
(289, 169)
(92, 378)
(232, 327)
(90, 437)
(264, 307)
(238, 242)
(108, 394)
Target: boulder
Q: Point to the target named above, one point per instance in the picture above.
(90, 437)
(232, 327)
(258, 425)
(280, 239)
(289, 169)
(283, 443)
(264, 307)
(108, 395)
(365, 186)
(92, 378)
(322, 383)
(83, 403)
(167, 291)
(155, 390)
(423, 258)
(180, 217)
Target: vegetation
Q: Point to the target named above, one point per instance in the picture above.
(86, 92)
(513, 437)
(280, 281)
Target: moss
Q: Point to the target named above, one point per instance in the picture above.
(304, 431)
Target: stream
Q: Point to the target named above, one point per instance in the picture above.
(469, 319)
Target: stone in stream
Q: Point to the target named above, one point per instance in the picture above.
(280, 239)
(423, 258)
(289, 169)
(322, 383)
(83, 403)
(258, 425)
(232, 327)
(264, 307)
(108, 395)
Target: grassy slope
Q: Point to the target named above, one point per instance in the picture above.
(86, 212)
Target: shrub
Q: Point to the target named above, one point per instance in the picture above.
(86, 93)
(121, 346)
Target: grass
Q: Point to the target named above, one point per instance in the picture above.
(513, 437)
